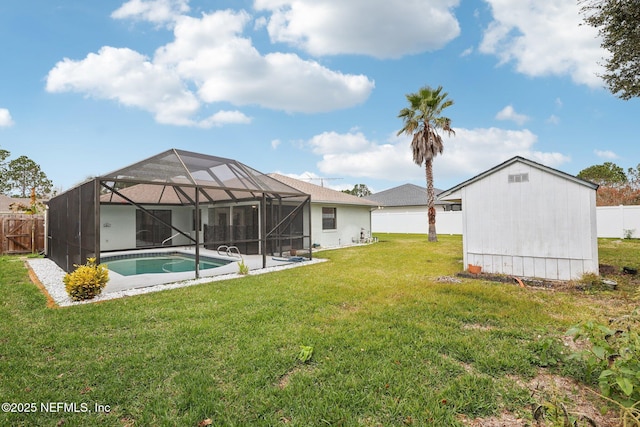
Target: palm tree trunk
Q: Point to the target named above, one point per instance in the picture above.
(428, 165)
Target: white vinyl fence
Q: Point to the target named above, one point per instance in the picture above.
(414, 221)
(613, 221)
(618, 221)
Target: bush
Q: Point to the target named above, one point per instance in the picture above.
(613, 355)
(243, 268)
(87, 281)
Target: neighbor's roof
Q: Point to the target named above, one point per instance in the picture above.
(403, 195)
(322, 194)
(6, 202)
(516, 159)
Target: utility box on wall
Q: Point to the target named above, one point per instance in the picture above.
(525, 219)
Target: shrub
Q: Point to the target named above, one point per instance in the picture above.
(87, 281)
(546, 351)
(306, 353)
(243, 268)
(613, 354)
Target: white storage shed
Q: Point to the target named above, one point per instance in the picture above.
(525, 219)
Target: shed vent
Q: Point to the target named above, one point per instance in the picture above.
(519, 177)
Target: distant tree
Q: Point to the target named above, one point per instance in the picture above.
(616, 196)
(617, 22)
(633, 176)
(422, 120)
(23, 175)
(360, 190)
(616, 187)
(4, 184)
(607, 174)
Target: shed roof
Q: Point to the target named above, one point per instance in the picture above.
(322, 194)
(450, 193)
(403, 195)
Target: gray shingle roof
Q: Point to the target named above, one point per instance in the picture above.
(6, 202)
(403, 195)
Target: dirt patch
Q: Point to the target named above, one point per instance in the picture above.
(606, 269)
(447, 279)
(552, 395)
(477, 327)
(507, 419)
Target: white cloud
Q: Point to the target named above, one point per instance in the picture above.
(210, 55)
(130, 78)
(5, 118)
(553, 119)
(333, 183)
(154, 11)
(468, 51)
(377, 28)
(223, 118)
(509, 113)
(332, 142)
(466, 154)
(544, 38)
(605, 154)
(275, 143)
(227, 67)
(476, 150)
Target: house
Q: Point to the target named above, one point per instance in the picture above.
(178, 199)
(525, 219)
(403, 209)
(9, 204)
(337, 218)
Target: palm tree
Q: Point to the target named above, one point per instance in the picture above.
(422, 119)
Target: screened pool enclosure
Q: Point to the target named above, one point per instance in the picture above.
(178, 199)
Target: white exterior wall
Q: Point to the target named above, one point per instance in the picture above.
(543, 228)
(118, 225)
(349, 222)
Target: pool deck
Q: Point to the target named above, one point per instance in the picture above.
(118, 282)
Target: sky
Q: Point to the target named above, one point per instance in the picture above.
(307, 88)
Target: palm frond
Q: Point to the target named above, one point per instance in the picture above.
(422, 119)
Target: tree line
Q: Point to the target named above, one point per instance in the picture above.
(22, 176)
(617, 186)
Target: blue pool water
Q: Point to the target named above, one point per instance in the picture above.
(145, 263)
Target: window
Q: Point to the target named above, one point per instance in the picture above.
(329, 218)
(519, 177)
(193, 220)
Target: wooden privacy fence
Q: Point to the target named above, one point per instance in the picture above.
(21, 233)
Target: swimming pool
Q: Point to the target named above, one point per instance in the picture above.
(146, 263)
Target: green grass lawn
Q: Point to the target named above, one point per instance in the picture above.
(392, 345)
